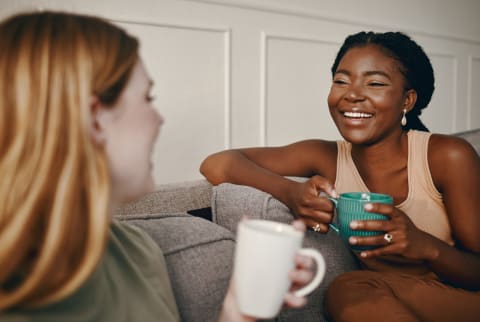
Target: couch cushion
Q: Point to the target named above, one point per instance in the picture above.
(171, 198)
(199, 256)
(230, 202)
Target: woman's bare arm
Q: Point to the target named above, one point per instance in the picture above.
(455, 168)
(266, 168)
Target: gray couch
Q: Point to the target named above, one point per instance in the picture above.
(195, 223)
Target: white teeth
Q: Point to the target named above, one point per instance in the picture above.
(357, 115)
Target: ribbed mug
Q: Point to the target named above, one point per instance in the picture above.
(351, 206)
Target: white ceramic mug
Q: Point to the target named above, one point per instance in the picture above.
(264, 256)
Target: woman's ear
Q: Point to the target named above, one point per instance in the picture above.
(410, 99)
(97, 126)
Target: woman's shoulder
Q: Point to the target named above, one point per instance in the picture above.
(450, 159)
(120, 229)
(448, 148)
(132, 238)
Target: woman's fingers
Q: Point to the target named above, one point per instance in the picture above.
(305, 262)
(377, 240)
(315, 225)
(299, 225)
(295, 301)
(323, 184)
(300, 277)
(371, 225)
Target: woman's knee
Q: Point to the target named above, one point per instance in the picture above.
(350, 290)
(357, 280)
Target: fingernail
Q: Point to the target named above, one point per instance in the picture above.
(301, 260)
(334, 193)
(352, 240)
(354, 224)
(368, 206)
(363, 254)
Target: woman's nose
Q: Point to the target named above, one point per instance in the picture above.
(354, 93)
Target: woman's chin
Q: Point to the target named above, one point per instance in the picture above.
(135, 193)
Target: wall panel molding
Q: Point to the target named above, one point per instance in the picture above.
(471, 60)
(454, 101)
(298, 11)
(265, 37)
(227, 52)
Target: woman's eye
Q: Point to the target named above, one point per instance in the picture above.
(376, 84)
(339, 81)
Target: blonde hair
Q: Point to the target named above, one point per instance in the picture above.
(55, 185)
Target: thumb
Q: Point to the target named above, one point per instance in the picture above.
(324, 187)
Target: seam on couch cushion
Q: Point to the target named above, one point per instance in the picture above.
(180, 249)
(266, 200)
(151, 216)
(213, 204)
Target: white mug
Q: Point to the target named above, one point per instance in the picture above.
(264, 256)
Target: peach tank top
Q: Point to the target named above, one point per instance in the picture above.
(424, 204)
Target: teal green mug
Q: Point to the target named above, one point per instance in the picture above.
(350, 206)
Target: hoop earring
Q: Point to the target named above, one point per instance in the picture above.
(404, 119)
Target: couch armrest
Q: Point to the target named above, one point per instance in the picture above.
(230, 202)
(171, 198)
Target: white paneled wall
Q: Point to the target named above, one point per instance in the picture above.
(193, 98)
(473, 96)
(234, 73)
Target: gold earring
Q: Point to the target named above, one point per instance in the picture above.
(404, 119)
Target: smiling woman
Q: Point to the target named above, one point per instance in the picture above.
(368, 94)
(416, 72)
(429, 253)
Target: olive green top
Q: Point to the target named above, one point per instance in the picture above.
(130, 283)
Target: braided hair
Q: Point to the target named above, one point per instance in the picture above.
(414, 65)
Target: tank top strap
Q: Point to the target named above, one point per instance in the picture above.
(419, 176)
(347, 177)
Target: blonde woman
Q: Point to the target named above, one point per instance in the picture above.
(77, 129)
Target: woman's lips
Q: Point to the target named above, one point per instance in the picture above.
(356, 118)
(357, 115)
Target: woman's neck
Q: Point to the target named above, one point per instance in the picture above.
(382, 154)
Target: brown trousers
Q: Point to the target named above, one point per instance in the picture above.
(383, 296)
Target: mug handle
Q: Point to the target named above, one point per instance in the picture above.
(335, 202)
(321, 268)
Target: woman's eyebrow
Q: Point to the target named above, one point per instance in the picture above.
(367, 73)
(377, 72)
(343, 71)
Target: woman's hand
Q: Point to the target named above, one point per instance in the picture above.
(306, 202)
(300, 276)
(401, 236)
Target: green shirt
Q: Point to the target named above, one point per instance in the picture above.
(130, 283)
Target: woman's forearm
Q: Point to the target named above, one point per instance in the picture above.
(234, 167)
(454, 266)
